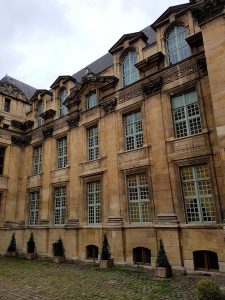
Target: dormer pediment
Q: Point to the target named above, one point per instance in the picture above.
(12, 91)
(172, 10)
(40, 93)
(127, 39)
(62, 80)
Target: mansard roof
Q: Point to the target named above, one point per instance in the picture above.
(27, 90)
(172, 9)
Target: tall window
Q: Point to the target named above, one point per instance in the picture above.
(138, 196)
(62, 97)
(186, 115)
(93, 148)
(133, 131)
(94, 205)
(40, 120)
(37, 160)
(197, 192)
(34, 207)
(2, 158)
(62, 153)
(129, 71)
(60, 205)
(7, 105)
(177, 47)
(91, 100)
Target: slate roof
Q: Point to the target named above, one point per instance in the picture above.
(28, 90)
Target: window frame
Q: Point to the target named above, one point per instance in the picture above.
(62, 161)
(63, 94)
(129, 73)
(40, 110)
(136, 134)
(93, 138)
(37, 164)
(187, 120)
(7, 105)
(96, 205)
(61, 205)
(35, 211)
(177, 49)
(91, 100)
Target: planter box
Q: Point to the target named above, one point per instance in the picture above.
(59, 259)
(163, 272)
(105, 264)
(11, 253)
(31, 256)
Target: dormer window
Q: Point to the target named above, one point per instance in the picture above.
(40, 110)
(7, 105)
(62, 97)
(91, 100)
(177, 47)
(129, 71)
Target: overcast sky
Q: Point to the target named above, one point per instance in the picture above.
(42, 39)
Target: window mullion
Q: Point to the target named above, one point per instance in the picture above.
(197, 193)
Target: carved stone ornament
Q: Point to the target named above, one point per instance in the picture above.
(208, 10)
(73, 121)
(21, 141)
(109, 105)
(202, 66)
(48, 131)
(48, 114)
(22, 125)
(11, 90)
(28, 124)
(153, 86)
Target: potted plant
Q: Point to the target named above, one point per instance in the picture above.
(11, 251)
(59, 251)
(106, 261)
(31, 248)
(163, 268)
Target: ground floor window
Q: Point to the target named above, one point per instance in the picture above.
(205, 260)
(142, 255)
(92, 252)
(34, 207)
(60, 205)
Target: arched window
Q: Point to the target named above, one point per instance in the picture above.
(40, 110)
(91, 252)
(129, 72)
(205, 260)
(142, 255)
(177, 47)
(62, 98)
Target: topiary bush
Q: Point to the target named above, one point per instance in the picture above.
(162, 260)
(12, 245)
(31, 244)
(208, 290)
(58, 248)
(105, 254)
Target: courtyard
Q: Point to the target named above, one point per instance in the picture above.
(42, 279)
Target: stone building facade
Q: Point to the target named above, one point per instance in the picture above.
(132, 145)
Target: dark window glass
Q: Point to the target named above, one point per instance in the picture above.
(7, 105)
(205, 260)
(2, 156)
(92, 252)
(142, 255)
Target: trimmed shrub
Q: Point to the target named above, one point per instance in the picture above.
(58, 248)
(31, 244)
(162, 260)
(208, 289)
(105, 254)
(12, 245)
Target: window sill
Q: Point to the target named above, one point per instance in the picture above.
(132, 150)
(205, 225)
(173, 139)
(60, 169)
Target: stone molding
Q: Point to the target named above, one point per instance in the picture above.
(21, 141)
(153, 86)
(47, 131)
(109, 105)
(73, 121)
(209, 10)
(11, 90)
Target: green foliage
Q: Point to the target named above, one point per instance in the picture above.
(208, 290)
(12, 245)
(162, 260)
(31, 244)
(58, 248)
(105, 254)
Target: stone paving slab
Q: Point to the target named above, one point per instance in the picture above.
(44, 280)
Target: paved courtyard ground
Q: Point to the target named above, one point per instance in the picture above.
(34, 280)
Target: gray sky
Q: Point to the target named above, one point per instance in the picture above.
(42, 39)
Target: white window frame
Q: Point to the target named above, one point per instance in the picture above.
(133, 131)
(176, 44)
(37, 160)
(186, 115)
(94, 202)
(60, 206)
(195, 196)
(128, 70)
(93, 143)
(139, 198)
(40, 110)
(62, 97)
(34, 208)
(62, 153)
(91, 100)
